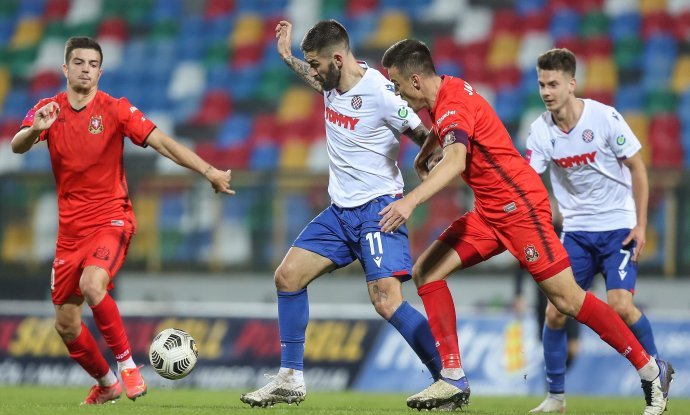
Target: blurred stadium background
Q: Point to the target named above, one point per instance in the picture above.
(207, 73)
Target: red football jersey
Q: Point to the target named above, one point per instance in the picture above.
(86, 154)
(502, 181)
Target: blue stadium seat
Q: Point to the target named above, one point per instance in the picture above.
(171, 210)
(448, 67)
(565, 24)
(530, 81)
(235, 131)
(264, 157)
(629, 98)
(30, 8)
(509, 104)
(37, 160)
(164, 10)
(658, 60)
(7, 26)
(626, 25)
(525, 7)
(17, 103)
(243, 82)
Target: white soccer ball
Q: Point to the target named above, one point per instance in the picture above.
(173, 353)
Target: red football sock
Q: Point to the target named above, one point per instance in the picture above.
(601, 318)
(440, 310)
(109, 322)
(84, 351)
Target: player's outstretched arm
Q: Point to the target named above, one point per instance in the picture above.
(301, 68)
(44, 117)
(165, 145)
(451, 165)
(640, 188)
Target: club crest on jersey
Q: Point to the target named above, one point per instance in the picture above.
(102, 253)
(449, 138)
(531, 253)
(588, 136)
(356, 102)
(96, 124)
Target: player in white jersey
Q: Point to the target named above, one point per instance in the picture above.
(600, 183)
(364, 120)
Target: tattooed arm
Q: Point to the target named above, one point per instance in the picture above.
(301, 68)
(419, 134)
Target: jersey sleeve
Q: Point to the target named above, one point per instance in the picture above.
(537, 154)
(621, 138)
(133, 123)
(455, 124)
(28, 120)
(397, 113)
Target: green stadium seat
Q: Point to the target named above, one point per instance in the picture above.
(660, 102)
(628, 52)
(594, 23)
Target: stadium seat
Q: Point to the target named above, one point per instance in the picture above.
(656, 23)
(647, 7)
(55, 10)
(357, 8)
(682, 27)
(625, 26)
(629, 98)
(472, 26)
(601, 75)
(216, 106)
(680, 80)
(296, 105)
(639, 124)
(628, 53)
(294, 155)
(28, 33)
(509, 104)
(595, 24)
(664, 137)
(248, 31)
(188, 80)
(235, 131)
(503, 51)
(393, 26)
(534, 22)
(532, 45)
(565, 24)
(264, 157)
(617, 7)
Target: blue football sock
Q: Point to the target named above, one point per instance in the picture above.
(412, 325)
(555, 344)
(293, 317)
(643, 331)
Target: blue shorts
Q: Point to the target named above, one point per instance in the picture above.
(346, 234)
(601, 252)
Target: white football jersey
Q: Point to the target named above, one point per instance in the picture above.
(590, 182)
(363, 127)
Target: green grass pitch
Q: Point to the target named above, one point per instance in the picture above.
(31, 400)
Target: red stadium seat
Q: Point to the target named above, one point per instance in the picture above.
(534, 22)
(356, 8)
(599, 46)
(113, 28)
(46, 81)
(664, 137)
(575, 45)
(505, 21)
(56, 10)
(217, 8)
(681, 27)
(445, 48)
(657, 23)
(215, 107)
(246, 56)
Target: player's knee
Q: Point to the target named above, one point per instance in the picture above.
(285, 279)
(626, 310)
(92, 290)
(68, 330)
(418, 275)
(554, 319)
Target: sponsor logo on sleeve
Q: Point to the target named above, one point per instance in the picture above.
(444, 116)
(620, 140)
(402, 112)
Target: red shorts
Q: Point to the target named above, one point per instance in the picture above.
(106, 248)
(530, 238)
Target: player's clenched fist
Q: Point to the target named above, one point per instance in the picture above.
(46, 116)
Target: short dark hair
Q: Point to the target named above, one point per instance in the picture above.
(409, 56)
(325, 34)
(559, 59)
(82, 42)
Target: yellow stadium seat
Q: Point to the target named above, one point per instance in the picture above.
(651, 6)
(639, 124)
(145, 243)
(294, 154)
(503, 51)
(680, 81)
(248, 31)
(28, 33)
(17, 243)
(295, 105)
(5, 85)
(393, 26)
(601, 75)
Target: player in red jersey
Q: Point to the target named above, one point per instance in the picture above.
(511, 212)
(84, 130)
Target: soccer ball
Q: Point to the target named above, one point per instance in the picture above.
(173, 353)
